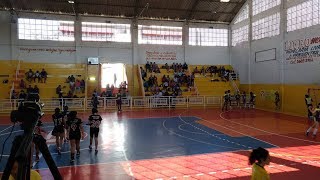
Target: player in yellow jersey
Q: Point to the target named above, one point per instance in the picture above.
(259, 158)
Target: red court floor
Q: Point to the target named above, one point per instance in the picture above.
(293, 155)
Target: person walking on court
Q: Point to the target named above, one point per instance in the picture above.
(226, 101)
(75, 133)
(314, 118)
(119, 102)
(58, 130)
(252, 99)
(259, 158)
(94, 122)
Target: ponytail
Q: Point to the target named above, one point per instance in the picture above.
(258, 155)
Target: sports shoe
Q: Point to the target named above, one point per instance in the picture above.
(307, 133)
(90, 147)
(59, 152)
(78, 153)
(96, 151)
(72, 160)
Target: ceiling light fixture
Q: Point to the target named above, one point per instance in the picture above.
(71, 2)
(224, 0)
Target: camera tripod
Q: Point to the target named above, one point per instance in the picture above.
(21, 146)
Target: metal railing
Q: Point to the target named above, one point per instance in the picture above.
(232, 79)
(106, 103)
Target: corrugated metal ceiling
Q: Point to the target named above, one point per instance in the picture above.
(204, 10)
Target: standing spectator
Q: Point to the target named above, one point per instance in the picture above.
(78, 86)
(44, 76)
(94, 101)
(82, 85)
(72, 79)
(22, 96)
(59, 91)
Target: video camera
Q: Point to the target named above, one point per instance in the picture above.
(29, 112)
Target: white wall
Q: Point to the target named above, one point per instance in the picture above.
(276, 71)
(78, 51)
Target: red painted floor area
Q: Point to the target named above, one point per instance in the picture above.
(296, 157)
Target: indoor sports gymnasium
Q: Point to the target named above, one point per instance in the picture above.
(159, 89)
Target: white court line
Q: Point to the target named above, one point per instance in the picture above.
(163, 124)
(289, 137)
(188, 131)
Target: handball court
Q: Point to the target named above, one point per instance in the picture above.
(198, 143)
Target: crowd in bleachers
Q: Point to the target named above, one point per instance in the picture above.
(169, 85)
(33, 76)
(215, 72)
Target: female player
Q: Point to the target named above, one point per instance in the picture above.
(237, 96)
(75, 133)
(277, 100)
(94, 122)
(226, 101)
(58, 129)
(259, 158)
(65, 114)
(119, 101)
(314, 118)
(244, 99)
(252, 99)
(37, 132)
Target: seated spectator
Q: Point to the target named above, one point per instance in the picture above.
(22, 84)
(185, 66)
(22, 95)
(13, 94)
(70, 94)
(148, 67)
(196, 70)
(44, 76)
(37, 75)
(29, 75)
(72, 79)
(36, 89)
(72, 85)
(103, 94)
(29, 89)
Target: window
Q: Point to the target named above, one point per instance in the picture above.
(105, 32)
(159, 35)
(243, 15)
(240, 35)
(303, 15)
(208, 37)
(266, 27)
(259, 6)
(53, 30)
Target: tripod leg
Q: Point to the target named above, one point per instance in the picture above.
(41, 142)
(15, 146)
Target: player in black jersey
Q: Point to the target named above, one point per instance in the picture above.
(65, 114)
(94, 122)
(252, 99)
(119, 102)
(244, 99)
(75, 133)
(237, 96)
(314, 118)
(58, 129)
(226, 101)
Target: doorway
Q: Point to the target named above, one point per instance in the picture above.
(113, 74)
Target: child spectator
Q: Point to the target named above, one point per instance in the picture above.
(259, 158)
(78, 86)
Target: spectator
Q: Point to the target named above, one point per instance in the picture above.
(44, 76)
(36, 89)
(29, 89)
(72, 79)
(259, 158)
(22, 84)
(29, 75)
(82, 85)
(37, 75)
(70, 94)
(78, 86)
(72, 85)
(59, 91)
(22, 95)
(148, 67)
